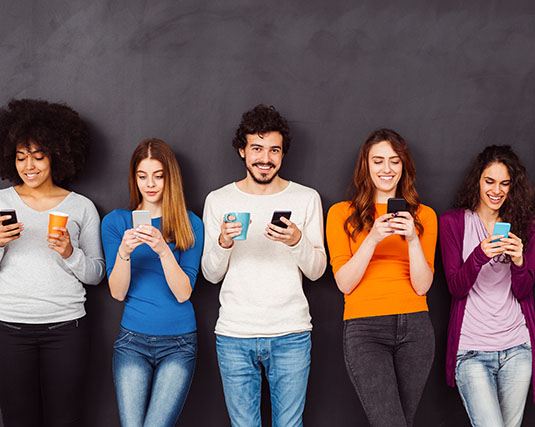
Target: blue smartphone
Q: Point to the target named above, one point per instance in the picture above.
(501, 228)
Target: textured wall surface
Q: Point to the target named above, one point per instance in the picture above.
(451, 77)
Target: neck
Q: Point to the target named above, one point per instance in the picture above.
(45, 190)
(155, 209)
(382, 196)
(250, 186)
(488, 216)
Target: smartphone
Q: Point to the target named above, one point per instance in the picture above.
(12, 220)
(276, 219)
(501, 228)
(140, 217)
(396, 205)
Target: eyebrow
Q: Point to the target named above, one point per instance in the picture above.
(381, 157)
(31, 152)
(262, 146)
(141, 171)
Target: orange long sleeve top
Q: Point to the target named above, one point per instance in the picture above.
(385, 287)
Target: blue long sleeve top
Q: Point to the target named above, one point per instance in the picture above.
(150, 306)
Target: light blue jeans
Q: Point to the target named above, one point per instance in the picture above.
(494, 384)
(152, 376)
(286, 360)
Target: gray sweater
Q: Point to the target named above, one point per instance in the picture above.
(36, 284)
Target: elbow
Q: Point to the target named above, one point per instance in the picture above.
(184, 296)
(117, 296)
(345, 288)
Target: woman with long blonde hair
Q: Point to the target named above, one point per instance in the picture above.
(383, 263)
(153, 268)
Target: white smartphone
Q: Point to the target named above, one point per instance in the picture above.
(140, 217)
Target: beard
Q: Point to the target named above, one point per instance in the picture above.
(263, 179)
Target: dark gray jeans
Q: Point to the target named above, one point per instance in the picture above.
(388, 359)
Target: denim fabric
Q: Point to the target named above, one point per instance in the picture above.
(43, 373)
(286, 360)
(494, 384)
(152, 376)
(388, 359)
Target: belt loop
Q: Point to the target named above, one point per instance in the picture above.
(76, 322)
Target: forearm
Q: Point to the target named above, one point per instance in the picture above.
(87, 269)
(420, 272)
(177, 280)
(119, 280)
(350, 274)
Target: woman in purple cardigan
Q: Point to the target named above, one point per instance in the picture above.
(492, 320)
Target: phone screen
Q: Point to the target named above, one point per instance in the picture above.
(396, 205)
(276, 219)
(12, 220)
(140, 217)
(501, 228)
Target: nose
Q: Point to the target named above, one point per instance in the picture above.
(150, 181)
(496, 188)
(29, 162)
(265, 156)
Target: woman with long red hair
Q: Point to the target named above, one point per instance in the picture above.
(383, 263)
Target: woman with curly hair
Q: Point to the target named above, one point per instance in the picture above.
(153, 268)
(383, 263)
(490, 277)
(43, 330)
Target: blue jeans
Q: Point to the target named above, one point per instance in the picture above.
(152, 376)
(494, 384)
(286, 360)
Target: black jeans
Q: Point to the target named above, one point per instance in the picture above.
(42, 373)
(388, 359)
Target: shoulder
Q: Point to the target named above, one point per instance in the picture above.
(117, 216)
(6, 193)
(80, 201)
(453, 216)
(426, 213)
(224, 191)
(194, 220)
(294, 187)
(340, 209)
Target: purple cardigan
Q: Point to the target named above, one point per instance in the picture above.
(461, 276)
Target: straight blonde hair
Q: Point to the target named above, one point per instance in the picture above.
(175, 225)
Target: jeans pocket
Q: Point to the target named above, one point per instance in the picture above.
(123, 339)
(463, 355)
(187, 342)
(10, 326)
(527, 345)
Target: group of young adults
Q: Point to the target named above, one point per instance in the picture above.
(383, 262)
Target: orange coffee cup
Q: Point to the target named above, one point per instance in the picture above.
(57, 219)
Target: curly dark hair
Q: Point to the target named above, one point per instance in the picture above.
(260, 120)
(56, 129)
(518, 207)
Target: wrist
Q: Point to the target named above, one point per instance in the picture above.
(223, 245)
(124, 257)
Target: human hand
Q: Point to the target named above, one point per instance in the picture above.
(229, 230)
(514, 248)
(152, 237)
(381, 228)
(403, 224)
(289, 236)
(8, 233)
(60, 242)
(492, 249)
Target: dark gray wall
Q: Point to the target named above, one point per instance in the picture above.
(451, 76)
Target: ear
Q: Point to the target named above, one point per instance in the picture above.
(242, 152)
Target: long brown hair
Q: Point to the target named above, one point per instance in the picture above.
(361, 193)
(175, 226)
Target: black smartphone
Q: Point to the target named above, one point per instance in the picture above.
(276, 219)
(12, 220)
(396, 205)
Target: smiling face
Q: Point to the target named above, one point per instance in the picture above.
(494, 185)
(385, 169)
(150, 180)
(33, 166)
(263, 156)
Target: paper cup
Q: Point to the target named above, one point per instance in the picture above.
(56, 219)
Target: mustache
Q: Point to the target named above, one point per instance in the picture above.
(264, 164)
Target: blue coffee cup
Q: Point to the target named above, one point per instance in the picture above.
(242, 217)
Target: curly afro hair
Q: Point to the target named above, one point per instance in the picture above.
(261, 120)
(57, 129)
(518, 208)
